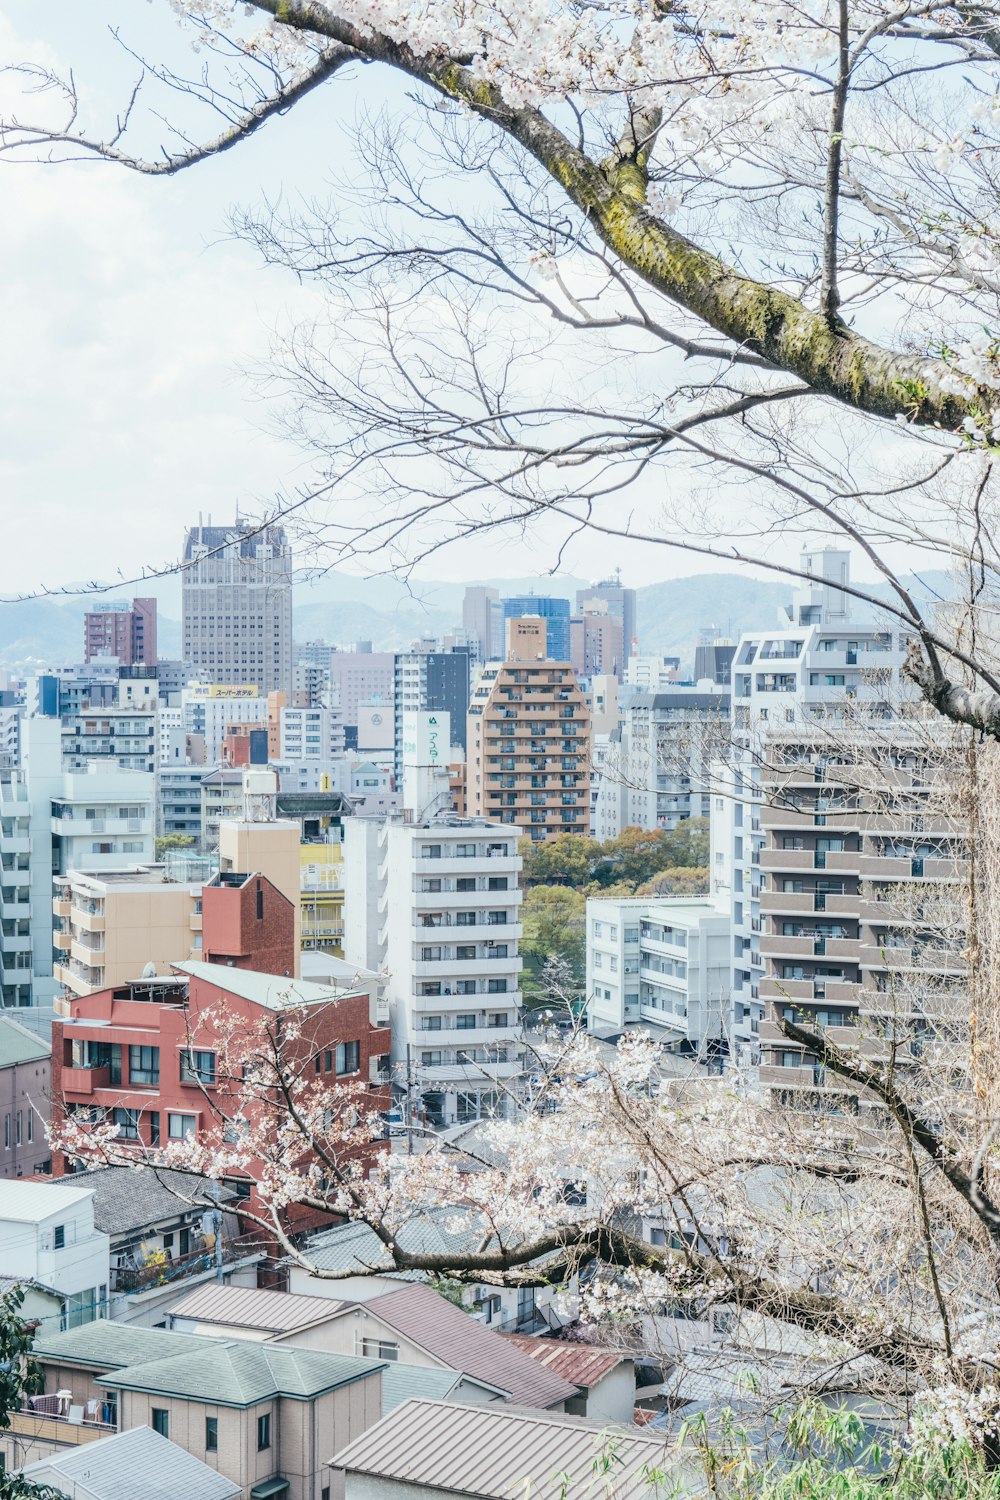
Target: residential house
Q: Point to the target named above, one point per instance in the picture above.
(604, 1378)
(140, 1464)
(264, 1417)
(429, 1449)
(25, 1079)
(168, 1231)
(53, 1241)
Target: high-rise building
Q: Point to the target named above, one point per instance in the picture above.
(435, 905)
(237, 605)
(713, 656)
(596, 642)
(528, 745)
(825, 833)
(362, 676)
(621, 603)
(482, 617)
(555, 613)
(431, 681)
(116, 628)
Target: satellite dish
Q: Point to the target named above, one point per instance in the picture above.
(149, 972)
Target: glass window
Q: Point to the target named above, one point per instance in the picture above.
(198, 1067)
(211, 1434)
(161, 1421)
(144, 1066)
(465, 1023)
(59, 1237)
(349, 1057)
(263, 1432)
(379, 1349)
(181, 1127)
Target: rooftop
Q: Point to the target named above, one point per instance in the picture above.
(265, 1311)
(273, 991)
(461, 1343)
(581, 1364)
(136, 1197)
(133, 1465)
(497, 1452)
(236, 1372)
(19, 1045)
(32, 1202)
(356, 1248)
(105, 1345)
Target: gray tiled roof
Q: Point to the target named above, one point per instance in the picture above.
(240, 1373)
(498, 1452)
(110, 1346)
(462, 1343)
(133, 1465)
(127, 1199)
(253, 1307)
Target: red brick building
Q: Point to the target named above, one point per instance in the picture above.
(145, 1055)
(113, 629)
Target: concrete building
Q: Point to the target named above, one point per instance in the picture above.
(116, 628)
(807, 847)
(50, 1238)
(437, 904)
(25, 1085)
(597, 646)
(662, 964)
(310, 734)
(221, 793)
(653, 674)
(237, 605)
(528, 743)
(109, 928)
(123, 736)
(656, 769)
(555, 612)
(431, 681)
(362, 676)
(178, 801)
(209, 708)
(482, 617)
(621, 603)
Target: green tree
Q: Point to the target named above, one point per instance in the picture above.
(681, 880)
(173, 841)
(19, 1377)
(568, 859)
(637, 854)
(553, 919)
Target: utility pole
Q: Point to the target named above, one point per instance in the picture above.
(409, 1099)
(217, 1226)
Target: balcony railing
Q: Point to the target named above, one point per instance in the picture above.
(131, 1279)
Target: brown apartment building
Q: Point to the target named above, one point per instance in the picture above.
(528, 743)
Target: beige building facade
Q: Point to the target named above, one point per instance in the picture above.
(528, 741)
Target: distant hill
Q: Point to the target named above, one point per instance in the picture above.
(391, 613)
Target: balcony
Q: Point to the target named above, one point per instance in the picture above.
(85, 1080)
(88, 918)
(460, 968)
(786, 859)
(45, 1419)
(130, 1280)
(61, 907)
(61, 940)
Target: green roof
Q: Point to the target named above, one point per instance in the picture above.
(111, 1346)
(273, 991)
(19, 1045)
(240, 1373)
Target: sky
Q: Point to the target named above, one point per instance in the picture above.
(131, 319)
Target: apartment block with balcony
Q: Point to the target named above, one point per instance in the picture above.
(437, 904)
(528, 740)
(662, 964)
(831, 840)
(50, 1239)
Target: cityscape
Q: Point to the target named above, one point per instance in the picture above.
(500, 752)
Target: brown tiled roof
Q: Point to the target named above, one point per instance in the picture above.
(581, 1364)
(420, 1314)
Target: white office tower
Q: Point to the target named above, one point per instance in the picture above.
(435, 906)
(815, 714)
(237, 605)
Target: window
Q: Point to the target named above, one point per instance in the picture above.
(198, 1067)
(31, 1125)
(154, 1128)
(180, 1127)
(127, 1121)
(144, 1066)
(379, 1349)
(20, 1128)
(349, 1057)
(431, 1023)
(465, 951)
(465, 1023)
(496, 986)
(211, 1434)
(465, 987)
(59, 1237)
(430, 1059)
(465, 883)
(161, 1421)
(263, 1432)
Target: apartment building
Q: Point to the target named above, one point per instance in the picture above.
(178, 801)
(310, 734)
(117, 628)
(828, 826)
(237, 605)
(656, 769)
(436, 903)
(109, 928)
(528, 742)
(430, 681)
(51, 1239)
(123, 736)
(362, 676)
(210, 708)
(662, 964)
(597, 647)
